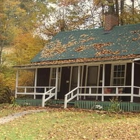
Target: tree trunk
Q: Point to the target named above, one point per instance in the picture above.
(111, 7)
(132, 8)
(1, 51)
(117, 7)
(122, 9)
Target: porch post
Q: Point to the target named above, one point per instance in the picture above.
(103, 82)
(17, 74)
(56, 83)
(35, 83)
(43, 100)
(132, 82)
(78, 82)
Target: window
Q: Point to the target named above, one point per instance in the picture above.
(53, 78)
(118, 75)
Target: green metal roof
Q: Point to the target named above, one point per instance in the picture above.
(92, 43)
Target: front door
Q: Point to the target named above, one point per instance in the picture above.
(69, 80)
(92, 76)
(65, 80)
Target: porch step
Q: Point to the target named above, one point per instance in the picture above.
(59, 103)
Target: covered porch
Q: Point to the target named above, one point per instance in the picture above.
(98, 81)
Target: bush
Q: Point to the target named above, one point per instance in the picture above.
(6, 95)
(115, 105)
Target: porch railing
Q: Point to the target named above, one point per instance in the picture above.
(32, 90)
(47, 92)
(101, 91)
(136, 91)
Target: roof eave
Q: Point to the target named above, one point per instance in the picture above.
(74, 63)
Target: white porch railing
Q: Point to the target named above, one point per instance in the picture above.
(38, 90)
(102, 91)
(136, 91)
(71, 95)
(51, 93)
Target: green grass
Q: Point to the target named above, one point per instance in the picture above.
(71, 124)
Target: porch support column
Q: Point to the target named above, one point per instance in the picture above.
(132, 82)
(78, 82)
(17, 74)
(35, 83)
(103, 82)
(56, 83)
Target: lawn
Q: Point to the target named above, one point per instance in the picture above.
(7, 109)
(72, 124)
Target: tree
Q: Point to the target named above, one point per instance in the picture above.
(127, 13)
(69, 15)
(25, 47)
(17, 38)
(9, 14)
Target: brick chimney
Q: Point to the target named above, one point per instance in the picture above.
(110, 21)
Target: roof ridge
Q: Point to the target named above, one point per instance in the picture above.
(82, 30)
(127, 25)
(99, 28)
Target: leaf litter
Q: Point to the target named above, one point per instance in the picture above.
(73, 124)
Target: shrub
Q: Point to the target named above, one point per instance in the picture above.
(6, 95)
(115, 105)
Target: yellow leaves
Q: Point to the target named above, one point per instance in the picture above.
(97, 2)
(105, 51)
(99, 46)
(130, 18)
(72, 124)
(81, 48)
(135, 39)
(50, 52)
(56, 48)
(26, 78)
(83, 35)
(13, 9)
(68, 2)
(1, 79)
(135, 31)
(25, 48)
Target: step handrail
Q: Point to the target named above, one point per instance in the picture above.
(50, 93)
(72, 96)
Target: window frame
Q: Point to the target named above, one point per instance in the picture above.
(112, 74)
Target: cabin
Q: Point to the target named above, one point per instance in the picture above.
(87, 65)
